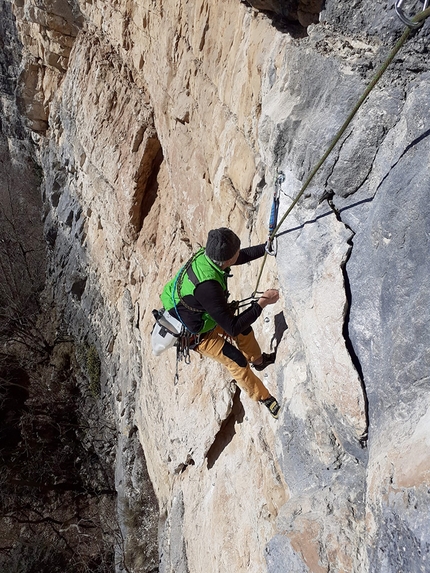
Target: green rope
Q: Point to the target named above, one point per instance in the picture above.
(418, 18)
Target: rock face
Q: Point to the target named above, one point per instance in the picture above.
(156, 121)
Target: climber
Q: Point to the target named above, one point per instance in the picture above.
(197, 296)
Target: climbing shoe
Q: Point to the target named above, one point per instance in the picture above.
(267, 359)
(272, 405)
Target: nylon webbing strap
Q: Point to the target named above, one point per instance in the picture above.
(192, 276)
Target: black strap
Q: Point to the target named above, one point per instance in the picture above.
(187, 267)
(192, 276)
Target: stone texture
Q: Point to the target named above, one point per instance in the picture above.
(391, 303)
(22, 250)
(166, 119)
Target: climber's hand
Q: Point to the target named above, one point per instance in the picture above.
(270, 296)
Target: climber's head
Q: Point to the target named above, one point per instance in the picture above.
(222, 246)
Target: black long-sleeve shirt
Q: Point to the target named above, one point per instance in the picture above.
(209, 296)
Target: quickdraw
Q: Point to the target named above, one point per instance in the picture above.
(271, 245)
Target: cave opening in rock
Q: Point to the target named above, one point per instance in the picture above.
(147, 185)
(290, 16)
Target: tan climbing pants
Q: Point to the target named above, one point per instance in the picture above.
(216, 345)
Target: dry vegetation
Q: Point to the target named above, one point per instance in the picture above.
(58, 500)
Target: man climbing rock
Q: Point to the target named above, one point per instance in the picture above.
(197, 296)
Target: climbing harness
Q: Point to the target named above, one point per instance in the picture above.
(271, 245)
(187, 339)
(169, 332)
(404, 18)
(411, 24)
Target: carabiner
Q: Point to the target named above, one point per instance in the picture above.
(271, 244)
(281, 177)
(405, 19)
(271, 247)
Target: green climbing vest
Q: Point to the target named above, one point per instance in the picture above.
(201, 269)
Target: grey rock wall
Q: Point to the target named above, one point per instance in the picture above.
(153, 134)
(377, 182)
(390, 331)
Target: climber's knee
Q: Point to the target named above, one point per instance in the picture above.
(234, 354)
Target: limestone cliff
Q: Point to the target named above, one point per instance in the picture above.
(155, 121)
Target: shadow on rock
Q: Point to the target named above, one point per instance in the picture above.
(227, 430)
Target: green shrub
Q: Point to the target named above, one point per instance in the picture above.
(89, 361)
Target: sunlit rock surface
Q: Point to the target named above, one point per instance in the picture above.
(156, 121)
